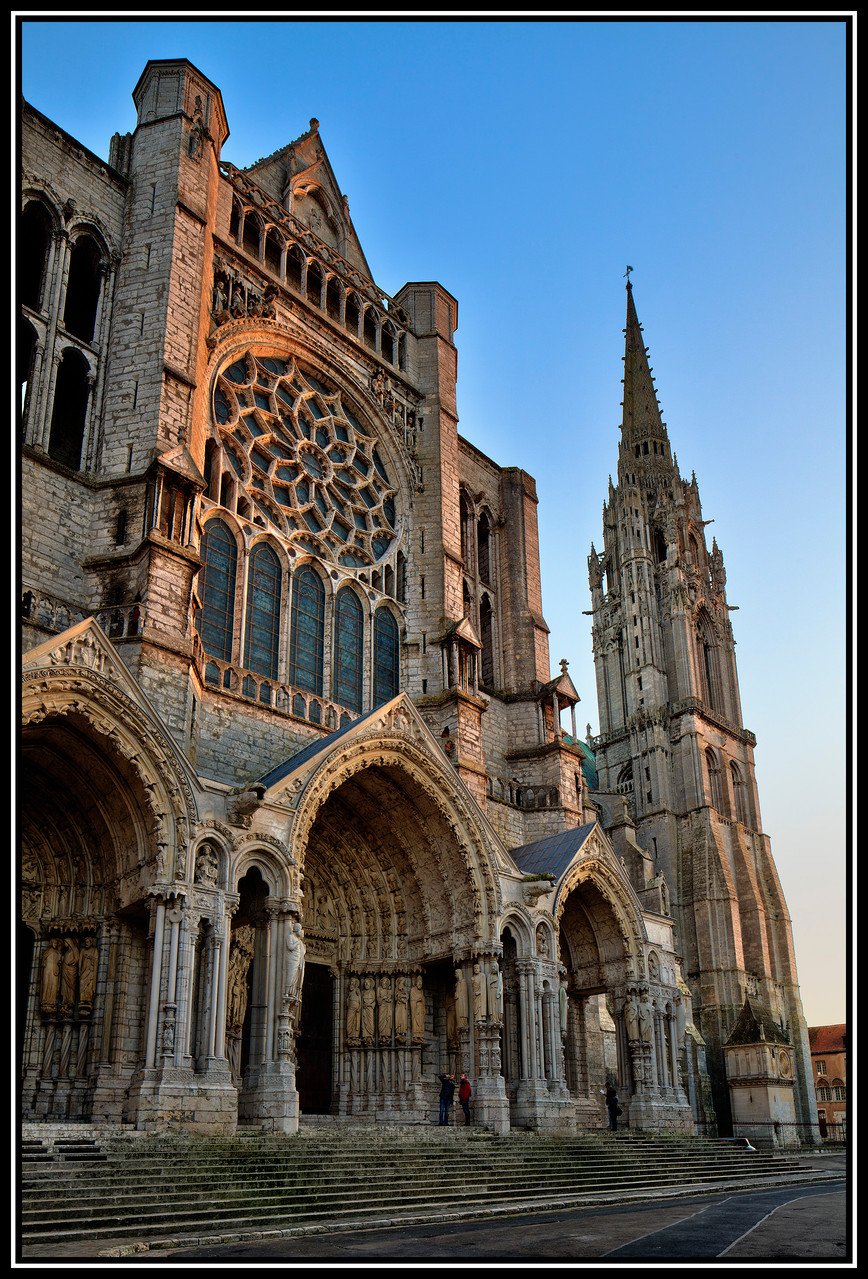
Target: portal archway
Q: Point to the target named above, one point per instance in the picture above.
(396, 896)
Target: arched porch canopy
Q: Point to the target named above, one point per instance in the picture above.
(398, 860)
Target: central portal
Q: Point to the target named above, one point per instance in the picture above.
(313, 1076)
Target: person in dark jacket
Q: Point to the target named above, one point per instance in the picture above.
(612, 1106)
(447, 1093)
(464, 1098)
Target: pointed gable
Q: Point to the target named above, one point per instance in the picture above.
(300, 176)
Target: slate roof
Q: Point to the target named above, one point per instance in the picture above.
(307, 752)
(753, 1018)
(552, 854)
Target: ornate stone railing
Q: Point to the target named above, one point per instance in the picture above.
(53, 614)
(262, 691)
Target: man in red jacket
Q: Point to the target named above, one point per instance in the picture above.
(464, 1098)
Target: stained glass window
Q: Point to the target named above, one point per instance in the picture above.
(261, 630)
(349, 631)
(386, 668)
(307, 631)
(217, 590)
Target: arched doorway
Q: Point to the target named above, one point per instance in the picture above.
(595, 952)
(87, 834)
(392, 900)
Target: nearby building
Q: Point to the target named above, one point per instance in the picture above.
(829, 1064)
(301, 824)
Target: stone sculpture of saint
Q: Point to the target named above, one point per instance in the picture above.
(49, 987)
(293, 973)
(369, 1000)
(384, 1010)
(417, 1010)
(480, 997)
(461, 1009)
(354, 1011)
(87, 966)
(495, 993)
(563, 1007)
(69, 972)
(402, 999)
(645, 1023)
(631, 1020)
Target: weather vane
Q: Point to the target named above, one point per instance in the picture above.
(626, 275)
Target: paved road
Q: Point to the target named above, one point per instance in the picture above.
(805, 1222)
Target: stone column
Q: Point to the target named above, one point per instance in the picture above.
(158, 907)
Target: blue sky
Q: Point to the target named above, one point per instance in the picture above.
(524, 164)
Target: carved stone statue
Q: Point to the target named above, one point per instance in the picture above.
(402, 1001)
(480, 996)
(354, 1011)
(88, 962)
(293, 972)
(384, 1010)
(417, 1010)
(495, 993)
(644, 1023)
(69, 972)
(207, 866)
(563, 1007)
(631, 1021)
(369, 1000)
(461, 1006)
(49, 986)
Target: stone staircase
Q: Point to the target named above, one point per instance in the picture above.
(132, 1192)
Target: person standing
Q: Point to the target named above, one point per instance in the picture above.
(464, 1098)
(447, 1093)
(612, 1106)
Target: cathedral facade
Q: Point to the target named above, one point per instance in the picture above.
(302, 828)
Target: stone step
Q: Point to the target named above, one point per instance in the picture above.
(230, 1217)
(302, 1188)
(264, 1180)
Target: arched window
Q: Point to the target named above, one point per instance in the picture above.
(714, 782)
(740, 794)
(487, 636)
(35, 237)
(273, 251)
(307, 631)
(82, 288)
(262, 627)
(70, 410)
(709, 663)
(386, 663)
(314, 283)
(369, 330)
(483, 545)
(349, 631)
(251, 234)
(26, 351)
(217, 590)
(294, 266)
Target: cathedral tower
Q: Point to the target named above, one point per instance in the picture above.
(672, 741)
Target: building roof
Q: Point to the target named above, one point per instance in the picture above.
(307, 752)
(756, 1023)
(828, 1039)
(553, 854)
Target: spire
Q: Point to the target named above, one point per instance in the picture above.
(642, 427)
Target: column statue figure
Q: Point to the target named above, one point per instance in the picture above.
(49, 987)
(354, 1011)
(461, 1007)
(417, 1010)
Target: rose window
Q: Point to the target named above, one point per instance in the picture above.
(305, 462)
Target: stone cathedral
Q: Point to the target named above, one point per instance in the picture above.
(302, 824)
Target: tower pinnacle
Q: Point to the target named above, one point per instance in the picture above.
(643, 431)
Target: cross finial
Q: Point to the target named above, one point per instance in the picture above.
(626, 276)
